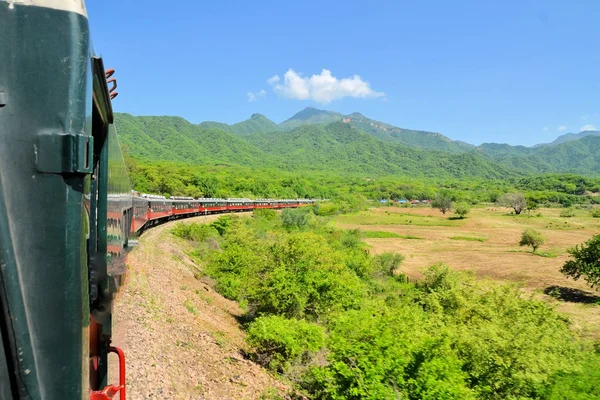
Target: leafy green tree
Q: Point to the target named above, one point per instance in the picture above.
(462, 209)
(442, 202)
(585, 262)
(533, 238)
(516, 201)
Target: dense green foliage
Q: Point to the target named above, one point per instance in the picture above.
(533, 238)
(281, 342)
(347, 325)
(585, 262)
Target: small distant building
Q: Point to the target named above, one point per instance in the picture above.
(402, 201)
(383, 201)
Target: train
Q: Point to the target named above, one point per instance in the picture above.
(67, 212)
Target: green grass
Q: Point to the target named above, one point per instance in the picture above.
(379, 234)
(366, 218)
(383, 234)
(545, 254)
(469, 238)
(190, 307)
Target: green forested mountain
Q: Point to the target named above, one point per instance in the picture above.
(413, 138)
(385, 132)
(341, 147)
(175, 139)
(310, 115)
(350, 144)
(256, 123)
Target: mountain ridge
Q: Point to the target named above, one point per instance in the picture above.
(370, 146)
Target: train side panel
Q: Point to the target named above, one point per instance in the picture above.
(45, 165)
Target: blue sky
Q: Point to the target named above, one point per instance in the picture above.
(518, 72)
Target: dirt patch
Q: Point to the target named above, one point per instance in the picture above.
(181, 339)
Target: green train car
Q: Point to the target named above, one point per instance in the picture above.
(64, 217)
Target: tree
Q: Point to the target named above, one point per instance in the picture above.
(533, 238)
(443, 202)
(516, 201)
(462, 209)
(586, 262)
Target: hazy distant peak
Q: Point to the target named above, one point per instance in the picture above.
(567, 137)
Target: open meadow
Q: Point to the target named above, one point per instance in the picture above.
(487, 244)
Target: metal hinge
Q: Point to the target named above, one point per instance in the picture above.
(65, 153)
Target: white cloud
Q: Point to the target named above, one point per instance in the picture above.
(273, 80)
(588, 127)
(545, 128)
(255, 96)
(562, 128)
(322, 88)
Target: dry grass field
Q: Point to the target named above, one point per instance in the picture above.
(486, 243)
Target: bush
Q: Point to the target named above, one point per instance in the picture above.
(265, 213)
(328, 208)
(462, 209)
(194, 231)
(386, 264)
(533, 238)
(567, 213)
(279, 342)
(295, 218)
(596, 213)
(222, 224)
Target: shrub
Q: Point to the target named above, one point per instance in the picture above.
(328, 208)
(533, 238)
(222, 224)
(462, 209)
(279, 342)
(295, 218)
(265, 213)
(596, 213)
(567, 213)
(194, 231)
(386, 264)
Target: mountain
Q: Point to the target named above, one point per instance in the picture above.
(337, 147)
(350, 144)
(340, 147)
(413, 138)
(568, 137)
(310, 115)
(256, 123)
(175, 139)
(386, 132)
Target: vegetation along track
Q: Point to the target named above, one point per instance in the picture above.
(182, 339)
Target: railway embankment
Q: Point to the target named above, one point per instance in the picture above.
(182, 340)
